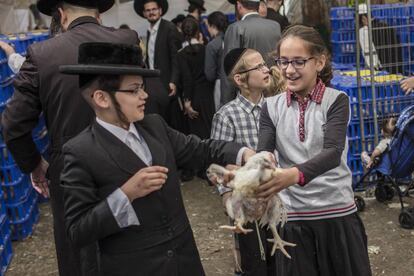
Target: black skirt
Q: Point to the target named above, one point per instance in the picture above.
(329, 247)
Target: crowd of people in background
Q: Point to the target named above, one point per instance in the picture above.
(233, 90)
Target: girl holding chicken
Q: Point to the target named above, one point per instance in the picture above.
(307, 126)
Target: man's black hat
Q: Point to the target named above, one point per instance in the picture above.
(139, 6)
(198, 3)
(47, 6)
(233, 2)
(99, 58)
(231, 59)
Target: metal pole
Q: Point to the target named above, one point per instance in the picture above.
(358, 75)
(371, 61)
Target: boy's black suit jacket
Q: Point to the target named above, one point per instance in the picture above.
(96, 163)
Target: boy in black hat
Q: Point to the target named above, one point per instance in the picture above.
(120, 174)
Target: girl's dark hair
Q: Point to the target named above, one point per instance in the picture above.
(218, 20)
(190, 28)
(316, 47)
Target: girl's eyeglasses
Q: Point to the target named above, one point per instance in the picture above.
(296, 63)
(261, 67)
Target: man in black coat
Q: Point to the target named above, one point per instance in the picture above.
(163, 43)
(39, 87)
(120, 174)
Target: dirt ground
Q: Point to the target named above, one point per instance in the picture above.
(392, 247)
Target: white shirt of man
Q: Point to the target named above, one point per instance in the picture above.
(364, 42)
(153, 31)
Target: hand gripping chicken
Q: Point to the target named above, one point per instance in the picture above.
(243, 206)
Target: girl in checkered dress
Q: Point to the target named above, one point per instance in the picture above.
(238, 121)
(307, 126)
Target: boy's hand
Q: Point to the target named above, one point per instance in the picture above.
(144, 182)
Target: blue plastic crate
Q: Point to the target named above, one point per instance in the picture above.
(39, 36)
(390, 99)
(341, 12)
(18, 212)
(6, 251)
(345, 23)
(2, 206)
(6, 158)
(338, 36)
(15, 191)
(40, 129)
(342, 66)
(42, 141)
(343, 47)
(21, 43)
(4, 229)
(24, 228)
(355, 144)
(355, 163)
(6, 90)
(5, 71)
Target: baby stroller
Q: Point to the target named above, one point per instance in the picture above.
(394, 167)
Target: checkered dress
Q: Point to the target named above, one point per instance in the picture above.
(238, 121)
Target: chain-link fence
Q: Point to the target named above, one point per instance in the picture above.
(373, 47)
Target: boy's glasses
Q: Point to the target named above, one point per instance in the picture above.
(261, 67)
(296, 63)
(140, 86)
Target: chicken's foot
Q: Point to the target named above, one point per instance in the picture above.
(278, 243)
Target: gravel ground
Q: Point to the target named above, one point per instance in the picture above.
(392, 248)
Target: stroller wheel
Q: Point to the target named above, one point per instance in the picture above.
(406, 218)
(384, 193)
(360, 203)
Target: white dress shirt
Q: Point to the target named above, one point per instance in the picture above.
(16, 61)
(247, 14)
(153, 31)
(118, 202)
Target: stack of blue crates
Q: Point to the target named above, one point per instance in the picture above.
(18, 200)
(6, 252)
(390, 100)
(343, 35)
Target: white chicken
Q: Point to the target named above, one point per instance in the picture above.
(243, 206)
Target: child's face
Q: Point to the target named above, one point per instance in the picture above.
(132, 104)
(259, 79)
(301, 79)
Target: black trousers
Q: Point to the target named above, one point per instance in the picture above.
(72, 261)
(252, 262)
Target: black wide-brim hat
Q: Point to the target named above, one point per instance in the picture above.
(47, 6)
(233, 2)
(198, 3)
(99, 58)
(139, 6)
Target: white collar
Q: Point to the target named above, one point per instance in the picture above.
(247, 14)
(193, 41)
(155, 27)
(119, 132)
